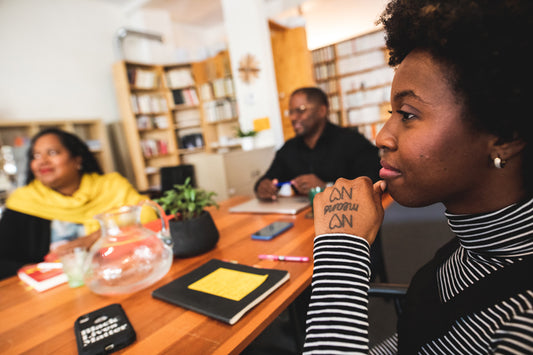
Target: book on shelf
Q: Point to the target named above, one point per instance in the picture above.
(148, 103)
(42, 276)
(179, 78)
(187, 118)
(154, 147)
(220, 110)
(206, 92)
(160, 121)
(219, 88)
(222, 290)
(323, 54)
(142, 78)
(190, 138)
(185, 97)
(228, 86)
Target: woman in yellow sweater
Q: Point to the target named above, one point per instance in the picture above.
(65, 188)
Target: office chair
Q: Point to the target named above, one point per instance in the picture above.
(176, 175)
(388, 291)
(377, 260)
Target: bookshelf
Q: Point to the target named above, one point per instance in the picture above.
(169, 111)
(17, 134)
(355, 75)
(147, 108)
(217, 97)
(184, 105)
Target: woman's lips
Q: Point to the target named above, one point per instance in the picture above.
(388, 172)
(43, 171)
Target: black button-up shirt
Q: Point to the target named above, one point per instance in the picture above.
(339, 152)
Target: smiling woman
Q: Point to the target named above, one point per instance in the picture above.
(65, 189)
(52, 164)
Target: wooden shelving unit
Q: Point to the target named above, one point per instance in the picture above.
(92, 131)
(219, 106)
(169, 111)
(184, 105)
(145, 106)
(355, 75)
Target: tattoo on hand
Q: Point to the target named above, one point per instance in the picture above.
(340, 221)
(339, 195)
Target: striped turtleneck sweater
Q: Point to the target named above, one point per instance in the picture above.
(337, 318)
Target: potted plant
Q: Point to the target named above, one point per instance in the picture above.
(191, 227)
(247, 138)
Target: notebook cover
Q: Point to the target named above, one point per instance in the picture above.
(220, 308)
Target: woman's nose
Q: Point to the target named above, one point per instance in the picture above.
(385, 138)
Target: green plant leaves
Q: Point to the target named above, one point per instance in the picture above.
(186, 202)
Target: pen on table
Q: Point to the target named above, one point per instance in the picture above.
(284, 258)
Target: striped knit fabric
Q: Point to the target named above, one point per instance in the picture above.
(337, 320)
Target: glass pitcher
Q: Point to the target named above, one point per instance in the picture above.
(128, 257)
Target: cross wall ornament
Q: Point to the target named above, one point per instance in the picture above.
(248, 68)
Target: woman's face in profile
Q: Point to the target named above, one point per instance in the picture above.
(53, 165)
(430, 154)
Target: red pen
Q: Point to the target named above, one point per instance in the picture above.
(283, 258)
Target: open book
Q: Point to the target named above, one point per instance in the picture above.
(222, 290)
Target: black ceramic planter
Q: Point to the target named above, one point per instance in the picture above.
(193, 237)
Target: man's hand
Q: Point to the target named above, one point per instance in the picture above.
(304, 183)
(267, 189)
(351, 207)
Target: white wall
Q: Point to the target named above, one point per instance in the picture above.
(197, 43)
(250, 35)
(56, 58)
(331, 21)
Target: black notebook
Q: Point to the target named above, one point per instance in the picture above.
(222, 290)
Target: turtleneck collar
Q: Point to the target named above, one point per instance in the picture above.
(507, 232)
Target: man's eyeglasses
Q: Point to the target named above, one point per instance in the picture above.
(300, 110)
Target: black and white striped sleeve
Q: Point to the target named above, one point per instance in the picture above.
(337, 317)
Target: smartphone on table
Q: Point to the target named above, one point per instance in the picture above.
(103, 331)
(272, 230)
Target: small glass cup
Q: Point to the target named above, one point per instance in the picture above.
(73, 266)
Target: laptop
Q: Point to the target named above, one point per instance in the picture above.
(283, 205)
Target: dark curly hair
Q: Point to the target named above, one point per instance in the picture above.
(73, 144)
(485, 45)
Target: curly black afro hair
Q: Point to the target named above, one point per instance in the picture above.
(486, 44)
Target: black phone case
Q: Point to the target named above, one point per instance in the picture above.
(103, 331)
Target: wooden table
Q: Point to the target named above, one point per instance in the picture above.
(43, 323)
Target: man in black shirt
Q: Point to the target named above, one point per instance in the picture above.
(320, 153)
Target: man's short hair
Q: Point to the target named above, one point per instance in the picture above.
(313, 94)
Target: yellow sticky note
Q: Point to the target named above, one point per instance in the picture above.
(228, 283)
(260, 124)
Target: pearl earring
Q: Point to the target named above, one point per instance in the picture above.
(499, 163)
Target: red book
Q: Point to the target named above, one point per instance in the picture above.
(42, 276)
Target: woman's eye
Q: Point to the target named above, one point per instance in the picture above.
(36, 156)
(406, 116)
(52, 153)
